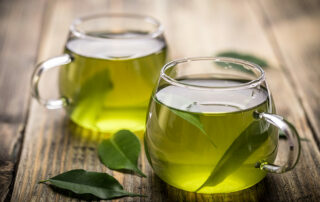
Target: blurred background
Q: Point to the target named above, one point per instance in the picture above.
(284, 33)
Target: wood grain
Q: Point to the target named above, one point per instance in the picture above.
(52, 144)
(20, 26)
(294, 31)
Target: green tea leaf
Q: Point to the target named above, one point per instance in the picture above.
(194, 120)
(191, 118)
(241, 148)
(121, 152)
(244, 56)
(70, 194)
(80, 181)
(87, 104)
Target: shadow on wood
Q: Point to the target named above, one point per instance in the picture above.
(255, 193)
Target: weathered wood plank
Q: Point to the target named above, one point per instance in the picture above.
(295, 32)
(20, 25)
(53, 145)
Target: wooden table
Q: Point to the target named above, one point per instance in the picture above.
(36, 143)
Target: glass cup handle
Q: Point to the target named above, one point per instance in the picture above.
(293, 142)
(42, 67)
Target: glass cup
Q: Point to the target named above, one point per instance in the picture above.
(212, 127)
(107, 72)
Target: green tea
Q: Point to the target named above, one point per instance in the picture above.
(224, 156)
(109, 83)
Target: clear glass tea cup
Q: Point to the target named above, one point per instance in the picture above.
(212, 127)
(107, 72)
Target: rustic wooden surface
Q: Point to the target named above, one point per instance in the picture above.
(38, 143)
(20, 30)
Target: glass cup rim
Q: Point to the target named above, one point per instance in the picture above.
(250, 84)
(80, 34)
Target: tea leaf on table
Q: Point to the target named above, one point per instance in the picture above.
(244, 56)
(121, 152)
(241, 148)
(97, 184)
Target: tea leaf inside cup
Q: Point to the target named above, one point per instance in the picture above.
(241, 148)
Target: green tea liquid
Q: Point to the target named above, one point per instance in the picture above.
(220, 161)
(110, 81)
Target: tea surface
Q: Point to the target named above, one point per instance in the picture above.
(109, 82)
(223, 158)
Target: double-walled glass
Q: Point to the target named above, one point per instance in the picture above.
(111, 64)
(212, 128)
